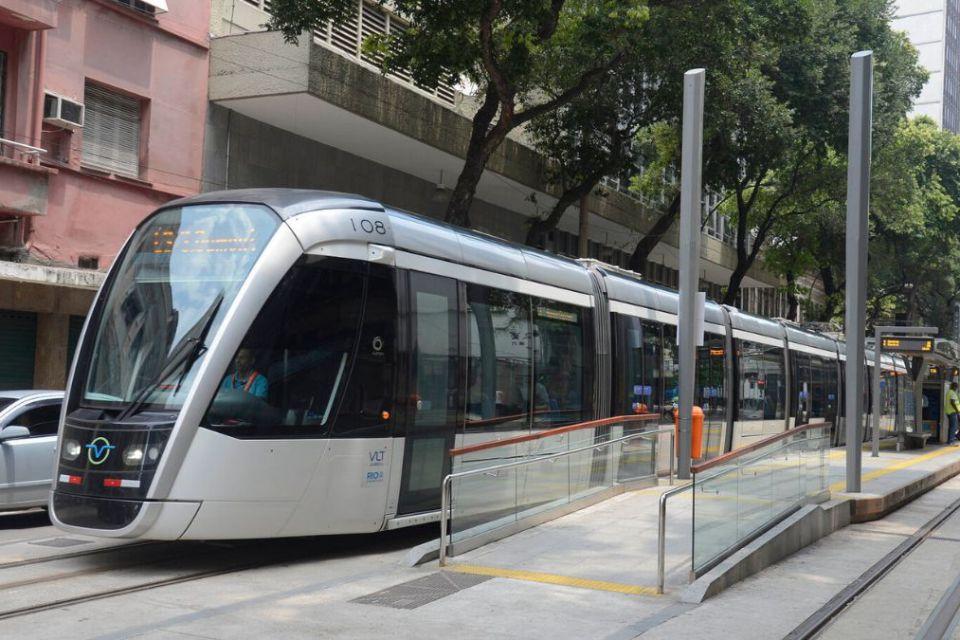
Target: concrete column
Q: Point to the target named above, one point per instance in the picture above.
(50, 366)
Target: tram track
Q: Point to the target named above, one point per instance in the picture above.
(13, 564)
(155, 565)
(110, 593)
(175, 554)
(219, 556)
(945, 616)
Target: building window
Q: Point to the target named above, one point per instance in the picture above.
(111, 132)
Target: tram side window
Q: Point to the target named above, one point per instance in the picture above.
(824, 395)
(498, 370)
(295, 359)
(802, 384)
(888, 399)
(816, 405)
(368, 398)
(831, 392)
(711, 395)
(671, 374)
(561, 366)
(762, 391)
(637, 354)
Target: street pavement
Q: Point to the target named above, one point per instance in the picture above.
(589, 574)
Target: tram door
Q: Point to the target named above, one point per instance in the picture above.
(433, 387)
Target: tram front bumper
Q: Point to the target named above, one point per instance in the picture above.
(114, 518)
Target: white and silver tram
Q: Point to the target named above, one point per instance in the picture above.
(273, 362)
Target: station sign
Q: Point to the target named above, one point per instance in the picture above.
(897, 345)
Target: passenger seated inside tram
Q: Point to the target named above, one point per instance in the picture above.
(245, 377)
(562, 393)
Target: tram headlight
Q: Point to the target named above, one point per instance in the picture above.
(133, 456)
(71, 450)
(153, 454)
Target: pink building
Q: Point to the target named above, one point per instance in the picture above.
(102, 111)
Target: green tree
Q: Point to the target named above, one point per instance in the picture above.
(914, 258)
(776, 112)
(588, 139)
(634, 115)
(528, 57)
(915, 224)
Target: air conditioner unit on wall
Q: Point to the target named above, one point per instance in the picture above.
(62, 111)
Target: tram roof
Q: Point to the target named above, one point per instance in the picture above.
(810, 338)
(632, 288)
(419, 234)
(286, 202)
(740, 320)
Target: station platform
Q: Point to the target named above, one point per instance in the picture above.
(612, 546)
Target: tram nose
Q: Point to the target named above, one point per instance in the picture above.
(105, 468)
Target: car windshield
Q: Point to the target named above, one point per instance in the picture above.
(179, 275)
(6, 402)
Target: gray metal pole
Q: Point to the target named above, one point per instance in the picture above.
(690, 206)
(875, 448)
(858, 201)
(584, 249)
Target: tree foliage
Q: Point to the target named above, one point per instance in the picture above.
(914, 257)
(775, 120)
(528, 57)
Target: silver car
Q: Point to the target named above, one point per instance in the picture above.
(28, 442)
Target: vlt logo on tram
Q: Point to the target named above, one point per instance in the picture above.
(99, 450)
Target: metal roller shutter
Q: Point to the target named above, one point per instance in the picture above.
(18, 345)
(111, 131)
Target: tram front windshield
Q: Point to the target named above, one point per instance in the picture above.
(181, 271)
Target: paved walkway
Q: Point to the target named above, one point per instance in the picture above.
(587, 575)
(612, 546)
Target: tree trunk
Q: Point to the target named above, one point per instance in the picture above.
(830, 290)
(736, 280)
(458, 208)
(539, 226)
(649, 242)
(584, 228)
(793, 302)
(478, 153)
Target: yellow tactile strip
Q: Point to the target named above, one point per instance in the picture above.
(551, 578)
(903, 464)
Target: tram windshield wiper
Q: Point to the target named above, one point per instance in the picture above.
(190, 347)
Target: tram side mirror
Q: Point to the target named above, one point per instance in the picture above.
(13, 432)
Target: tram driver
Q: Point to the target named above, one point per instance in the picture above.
(244, 377)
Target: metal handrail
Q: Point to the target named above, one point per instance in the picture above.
(753, 446)
(539, 435)
(448, 480)
(662, 531)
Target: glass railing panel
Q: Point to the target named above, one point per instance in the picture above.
(754, 492)
(498, 486)
(786, 487)
(743, 494)
(637, 459)
(543, 485)
(483, 501)
(715, 513)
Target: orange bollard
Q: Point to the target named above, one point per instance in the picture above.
(696, 435)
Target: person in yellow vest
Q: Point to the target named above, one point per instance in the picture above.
(952, 410)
